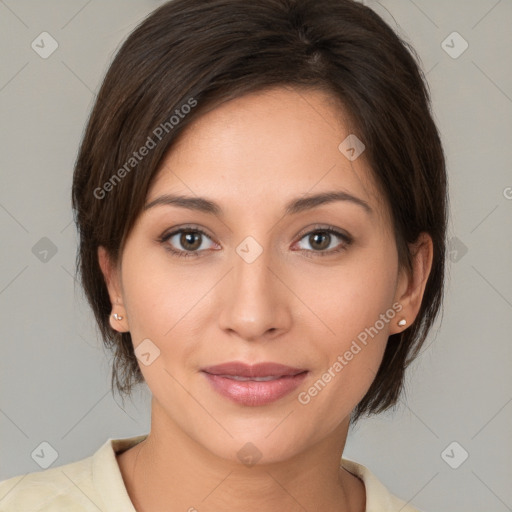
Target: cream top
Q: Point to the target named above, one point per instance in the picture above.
(96, 483)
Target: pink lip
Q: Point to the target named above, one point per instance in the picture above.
(252, 392)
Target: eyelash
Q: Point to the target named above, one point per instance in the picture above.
(317, 229)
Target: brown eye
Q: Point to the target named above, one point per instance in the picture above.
(190, 240)
(323, 241)
(186, 242)
(320, 240)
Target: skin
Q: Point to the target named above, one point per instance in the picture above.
(252, 155)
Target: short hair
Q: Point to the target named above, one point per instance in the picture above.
(189, 56)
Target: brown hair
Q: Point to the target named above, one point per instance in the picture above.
(187, 57)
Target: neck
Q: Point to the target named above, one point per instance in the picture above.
(169, 470)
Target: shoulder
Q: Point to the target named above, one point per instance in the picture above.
(378, 497)
(90, 484)
(66, 487)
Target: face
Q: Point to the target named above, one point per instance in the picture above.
(315, 287)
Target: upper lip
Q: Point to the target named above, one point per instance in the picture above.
(240, 369)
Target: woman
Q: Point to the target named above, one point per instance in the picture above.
(260, 196)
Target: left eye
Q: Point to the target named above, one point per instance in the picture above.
(323, 241)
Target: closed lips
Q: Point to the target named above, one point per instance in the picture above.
(259, 372)
(254, 385)
(257, 379)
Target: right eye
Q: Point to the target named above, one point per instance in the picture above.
(190, 239)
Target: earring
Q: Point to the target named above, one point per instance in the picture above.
(402, 322)
(117, 317)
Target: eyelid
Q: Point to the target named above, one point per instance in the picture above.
(187, 227)
(325, 227)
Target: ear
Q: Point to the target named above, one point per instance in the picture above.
(112, 275)
(411, 287)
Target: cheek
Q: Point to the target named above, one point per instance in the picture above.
(158, 293)
(164, 303)
(350, 297)
(351, 358)
(355, 302)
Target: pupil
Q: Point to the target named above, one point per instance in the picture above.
(325, 235)
(186, 237)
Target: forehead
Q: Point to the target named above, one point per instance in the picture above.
(263, 149)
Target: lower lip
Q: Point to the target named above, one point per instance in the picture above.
(254, 393)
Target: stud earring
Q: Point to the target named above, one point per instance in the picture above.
(117, 317)
(402, 322)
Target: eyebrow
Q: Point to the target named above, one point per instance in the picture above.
(291, 208)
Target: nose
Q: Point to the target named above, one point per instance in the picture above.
(254, 300)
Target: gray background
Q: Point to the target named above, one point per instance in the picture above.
(55, 375)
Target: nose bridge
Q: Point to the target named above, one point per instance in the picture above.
(251, 275)
(253, 304)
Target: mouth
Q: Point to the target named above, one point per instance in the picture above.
(254, 385)
(254, 379)
(265, 370)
